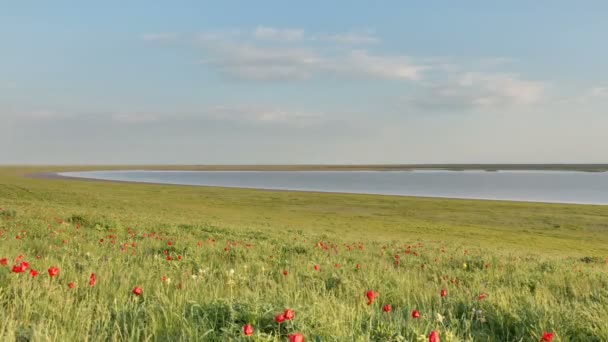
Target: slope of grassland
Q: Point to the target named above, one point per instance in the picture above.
(511, 270)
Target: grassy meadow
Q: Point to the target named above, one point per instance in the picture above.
(208, 261)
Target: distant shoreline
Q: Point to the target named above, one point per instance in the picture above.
(354, 167)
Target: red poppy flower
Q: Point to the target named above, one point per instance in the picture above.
(248, 330)
(285, 273)
(72, 285)
(415, 314)
(371, 296)
(387, 308)
(317, 267)
(92, 279)
(547, 337)
(434, 336)
(137, 291)
(289, 314)
(4, 261)
(297, 337)
(358, 266)
(33, 273)
(444, 292)
(279, 318)
(482, 296)
(53, 271)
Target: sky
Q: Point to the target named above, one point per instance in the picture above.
(309, 82)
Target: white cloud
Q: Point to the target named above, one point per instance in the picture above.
(159, 37)
(244, 114)
(598, 92)
(271, 33)
(351, 38)
(8, 85)
(362, 63)
(256, 63)
(474, 90)
(283, 63)
(263, 115)
(134, 118)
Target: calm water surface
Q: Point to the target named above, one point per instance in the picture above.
(537, 186)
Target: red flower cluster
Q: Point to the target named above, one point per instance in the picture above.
(547, 337)
(53, 271)
(286, 315)
(137, 291)
(22, 267)
(248, 330)
(371, 296)
(92, 279)
(297, 337)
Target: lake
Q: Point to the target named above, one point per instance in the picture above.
(534, 186)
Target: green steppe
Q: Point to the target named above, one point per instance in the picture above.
(542, 266)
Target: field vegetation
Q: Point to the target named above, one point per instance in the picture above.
(99, 261)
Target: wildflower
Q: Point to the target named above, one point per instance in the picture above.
(547, 337)
(358, 266)
(289, 314)
(279, 318)
(434, 336)
(439, 317)
(72, 285)
(53, 271)
(464, 265)
(4, 261)
(248, 330)
(415, 314)
(444, 292)
(297, 337)
(33, 273)
(482, 296)
(285, 273)
(92, 279)
(22, 267)
(317, 268)
(137, 291)
(371, 296)
(387, 308)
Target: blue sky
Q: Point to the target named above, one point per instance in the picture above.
(242, 82)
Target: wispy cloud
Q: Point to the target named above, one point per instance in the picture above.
(599, 92)
(242, 114)
(8, 85)
(474, 90)
(351, 38)
(284, 35)
(264, 115)
(245, 60)
(160, 37)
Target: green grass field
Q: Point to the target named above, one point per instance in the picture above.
(511, 270)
